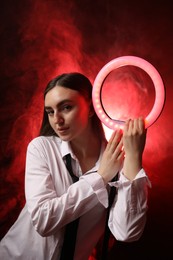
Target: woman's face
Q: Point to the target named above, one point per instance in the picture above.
(68, 112)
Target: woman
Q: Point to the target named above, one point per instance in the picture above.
(53, 199)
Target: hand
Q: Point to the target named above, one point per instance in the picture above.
(134, 138)
(112, 158)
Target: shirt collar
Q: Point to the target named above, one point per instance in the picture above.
(65, 148)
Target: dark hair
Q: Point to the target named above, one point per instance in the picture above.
(80, 83)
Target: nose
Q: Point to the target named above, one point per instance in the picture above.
(58, 119)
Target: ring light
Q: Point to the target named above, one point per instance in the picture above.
(124, 61)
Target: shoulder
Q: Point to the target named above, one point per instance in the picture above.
(44, 142)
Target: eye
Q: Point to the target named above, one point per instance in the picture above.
(49, 112)
(66, 108)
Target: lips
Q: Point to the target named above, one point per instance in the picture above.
(62, 130)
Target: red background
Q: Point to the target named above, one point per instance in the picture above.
(40, 39)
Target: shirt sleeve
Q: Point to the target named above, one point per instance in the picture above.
(49, 209)
(128, 213)
(98, 186)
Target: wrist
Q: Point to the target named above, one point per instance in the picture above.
(132, 165)
(103, 176)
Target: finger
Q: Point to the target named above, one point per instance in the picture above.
(119, 149)
(112, 137)
(138, 125)
(128, 126)
(141, 124)
(114, 140)
(110, 140)
(135, 125)
(121, 156)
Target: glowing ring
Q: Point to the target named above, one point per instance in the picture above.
(124, 61)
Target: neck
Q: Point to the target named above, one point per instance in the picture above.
(87, 151)
(86, 145)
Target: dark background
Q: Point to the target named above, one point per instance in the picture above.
(40, 39)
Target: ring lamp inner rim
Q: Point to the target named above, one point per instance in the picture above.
(125, 61)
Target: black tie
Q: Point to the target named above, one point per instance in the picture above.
(71, 228)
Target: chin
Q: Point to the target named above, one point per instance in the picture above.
(65, 138)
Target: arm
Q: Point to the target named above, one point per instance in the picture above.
(134, 138)
(128, 213)
(52, 208)
(127, 217)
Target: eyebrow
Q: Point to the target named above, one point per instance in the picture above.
(60, 103)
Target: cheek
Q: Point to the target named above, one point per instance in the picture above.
(81, 117)
(84, 114)
(50, 122)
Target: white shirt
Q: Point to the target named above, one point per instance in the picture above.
(52, 201)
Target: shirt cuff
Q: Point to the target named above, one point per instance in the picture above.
(98, 186)
(123, 180)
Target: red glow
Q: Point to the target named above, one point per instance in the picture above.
(40, 39)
